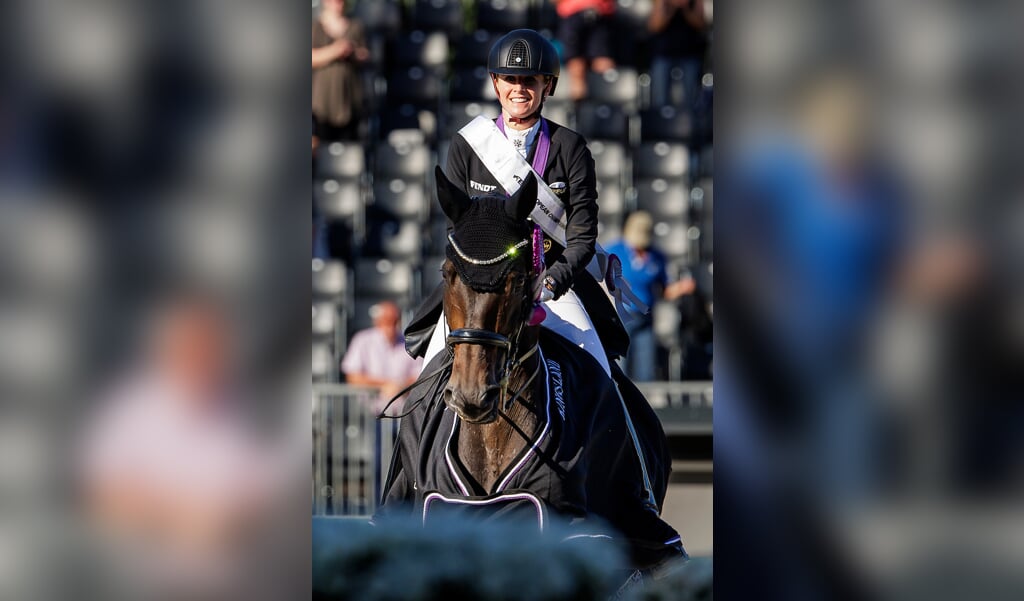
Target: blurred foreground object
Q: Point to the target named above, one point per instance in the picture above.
(867, 277)
(404, 561)
(176, 477)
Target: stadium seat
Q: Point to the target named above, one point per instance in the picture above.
(379, 17)
(406, 161)
(404, 199)
(325, 321)
(338, 200)
(610, 200)
(323, 368)
(704, 202)
(558, 110)
(615, 86)
(634, 13)
(706, 162)
(330, 280)
(461, 113)
(438, 15)
(414, 85)
(608, 232)
(663, 199)
(609, 159)
(632, 36)
(438, 231)
(442, 155)
(430, 274)
(672, 237)
(666, 323)
(471, 85)
(421, 49)
(382, 278)
(408, 123)
(707, 241)
(602, 122)
(340, 160)
(661, 160)
(665, 124)
(503, 15)
(402, 240)
(472, 50)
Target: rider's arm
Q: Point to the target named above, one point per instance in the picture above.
(581, 218)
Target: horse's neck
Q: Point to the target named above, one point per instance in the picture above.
(485, 450)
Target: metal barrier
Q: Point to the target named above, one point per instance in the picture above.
(672, 395)
(352, 449)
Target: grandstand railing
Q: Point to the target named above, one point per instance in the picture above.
(352, 450)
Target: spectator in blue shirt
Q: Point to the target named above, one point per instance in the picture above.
(644, 267)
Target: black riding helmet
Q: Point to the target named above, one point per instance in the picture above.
(524, 52)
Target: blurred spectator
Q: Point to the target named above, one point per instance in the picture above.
(678, 42)
(585, 31)
(644, 267)
(339, 47)
(376, 357)
(817, 236)
(172, 469)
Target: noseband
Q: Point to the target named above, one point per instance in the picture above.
(490, 338)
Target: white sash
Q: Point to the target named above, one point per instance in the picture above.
(502, 159)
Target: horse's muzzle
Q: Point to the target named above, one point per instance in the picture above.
(482, 410)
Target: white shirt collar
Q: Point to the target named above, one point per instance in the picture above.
(523, 139)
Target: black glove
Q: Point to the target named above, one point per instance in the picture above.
(557, 279)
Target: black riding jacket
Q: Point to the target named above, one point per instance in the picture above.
(570, 174)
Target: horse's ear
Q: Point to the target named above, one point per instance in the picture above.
(454, 202)
(525, 198)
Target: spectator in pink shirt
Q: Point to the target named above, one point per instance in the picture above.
(376, 356)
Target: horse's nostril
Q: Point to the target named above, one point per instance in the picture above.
(491, 390)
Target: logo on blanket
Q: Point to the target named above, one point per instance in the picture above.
(556, 385)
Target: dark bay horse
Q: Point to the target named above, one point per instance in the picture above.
(514, 419)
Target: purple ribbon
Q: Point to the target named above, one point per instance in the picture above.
(540, 158)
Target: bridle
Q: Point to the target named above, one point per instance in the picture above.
(509, 345)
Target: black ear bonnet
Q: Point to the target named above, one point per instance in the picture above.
(486, 243)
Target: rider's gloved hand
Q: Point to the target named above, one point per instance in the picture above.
(553, 283)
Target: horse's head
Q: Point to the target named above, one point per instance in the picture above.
(488, 276)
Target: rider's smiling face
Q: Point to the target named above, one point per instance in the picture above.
(520, 95)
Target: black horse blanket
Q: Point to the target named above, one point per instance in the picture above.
(581, 463)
